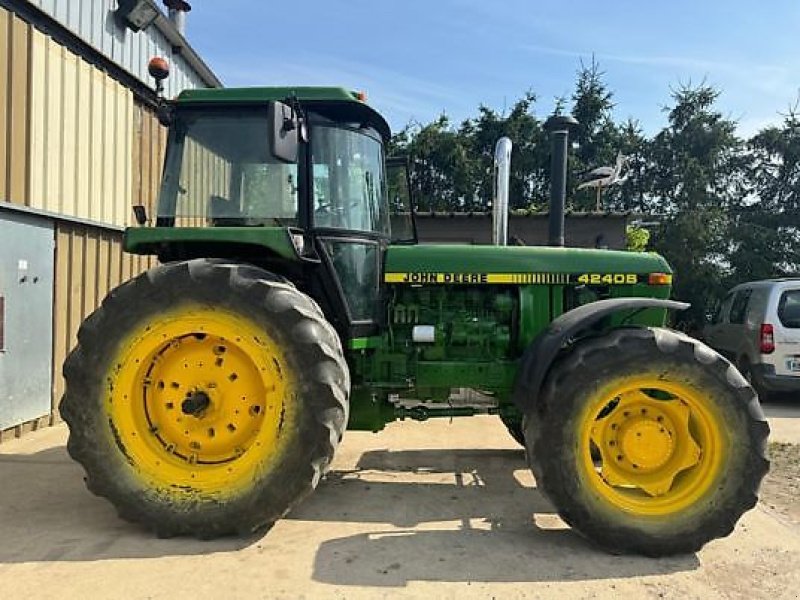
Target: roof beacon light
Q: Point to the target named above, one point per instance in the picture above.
(361, 96)
(158, 68)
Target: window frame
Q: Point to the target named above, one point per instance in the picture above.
(317, 122)
(782, 305)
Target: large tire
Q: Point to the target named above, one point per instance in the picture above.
(647, 441)
(205, 398)
(747, 371)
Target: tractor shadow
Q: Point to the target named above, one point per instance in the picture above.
(47, 514)
(454, 516)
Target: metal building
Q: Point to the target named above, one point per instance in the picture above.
(79, 145)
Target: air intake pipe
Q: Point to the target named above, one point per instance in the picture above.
(559, 127)
(502, 176)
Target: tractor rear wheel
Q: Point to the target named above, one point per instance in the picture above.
(648, 441)
(205, 398)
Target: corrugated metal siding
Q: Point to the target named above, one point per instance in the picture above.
(149, 143)
(94, 22)
(89, 263)
(81, 137)
(14, 133)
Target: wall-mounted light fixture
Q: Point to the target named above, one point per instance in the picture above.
(137, 14)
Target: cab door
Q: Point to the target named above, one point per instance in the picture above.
(350, 218)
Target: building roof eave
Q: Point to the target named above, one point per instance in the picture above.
(181, 46)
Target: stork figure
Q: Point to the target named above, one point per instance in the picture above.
(605, 176)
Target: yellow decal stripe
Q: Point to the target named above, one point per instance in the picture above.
(428, 278)
(477, 278)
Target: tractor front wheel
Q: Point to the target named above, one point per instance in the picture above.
(648, 441)
(205, 398)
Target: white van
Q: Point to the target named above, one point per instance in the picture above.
(757, 327)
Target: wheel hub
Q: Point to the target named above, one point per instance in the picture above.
(195, 403)
(644, 442)
(205, 398)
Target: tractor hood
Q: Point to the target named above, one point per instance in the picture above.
(513, 264)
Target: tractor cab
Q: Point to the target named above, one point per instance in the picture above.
(300, 169)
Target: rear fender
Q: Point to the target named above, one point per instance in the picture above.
(539, 357)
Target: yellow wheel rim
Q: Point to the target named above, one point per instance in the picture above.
(197, 401)
(651, 447)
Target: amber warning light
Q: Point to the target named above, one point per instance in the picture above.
(659, 279)
(158, 68)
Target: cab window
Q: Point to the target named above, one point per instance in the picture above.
(219, 172)
(349, 180)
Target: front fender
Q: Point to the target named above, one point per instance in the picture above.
(539, 356)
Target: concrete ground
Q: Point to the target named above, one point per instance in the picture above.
(784, 419)
(425, 510)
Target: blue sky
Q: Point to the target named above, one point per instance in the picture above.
(418, 58)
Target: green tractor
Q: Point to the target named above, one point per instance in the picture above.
(207, 396)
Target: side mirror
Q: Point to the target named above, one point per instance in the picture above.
(284, 129)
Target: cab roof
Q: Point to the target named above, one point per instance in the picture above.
(265, 94)
(328, 96)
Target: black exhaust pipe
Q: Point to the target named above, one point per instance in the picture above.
(558, 126)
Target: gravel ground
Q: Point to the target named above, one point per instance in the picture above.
(781, 488)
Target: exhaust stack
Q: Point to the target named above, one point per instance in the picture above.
(178, 10)
(559, 127)
(502, 175)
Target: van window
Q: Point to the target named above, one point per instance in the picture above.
(722, 310)
(739, 307)
(789, 309)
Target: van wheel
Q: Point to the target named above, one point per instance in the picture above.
(747, 371)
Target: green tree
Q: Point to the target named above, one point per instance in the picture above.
(529, 182)
(695, 179)
(636, 238)
(765, 231)
(596, 134)
(442, 172)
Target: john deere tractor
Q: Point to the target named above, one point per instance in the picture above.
(208, 395)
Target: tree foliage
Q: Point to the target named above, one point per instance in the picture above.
(722, 210)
